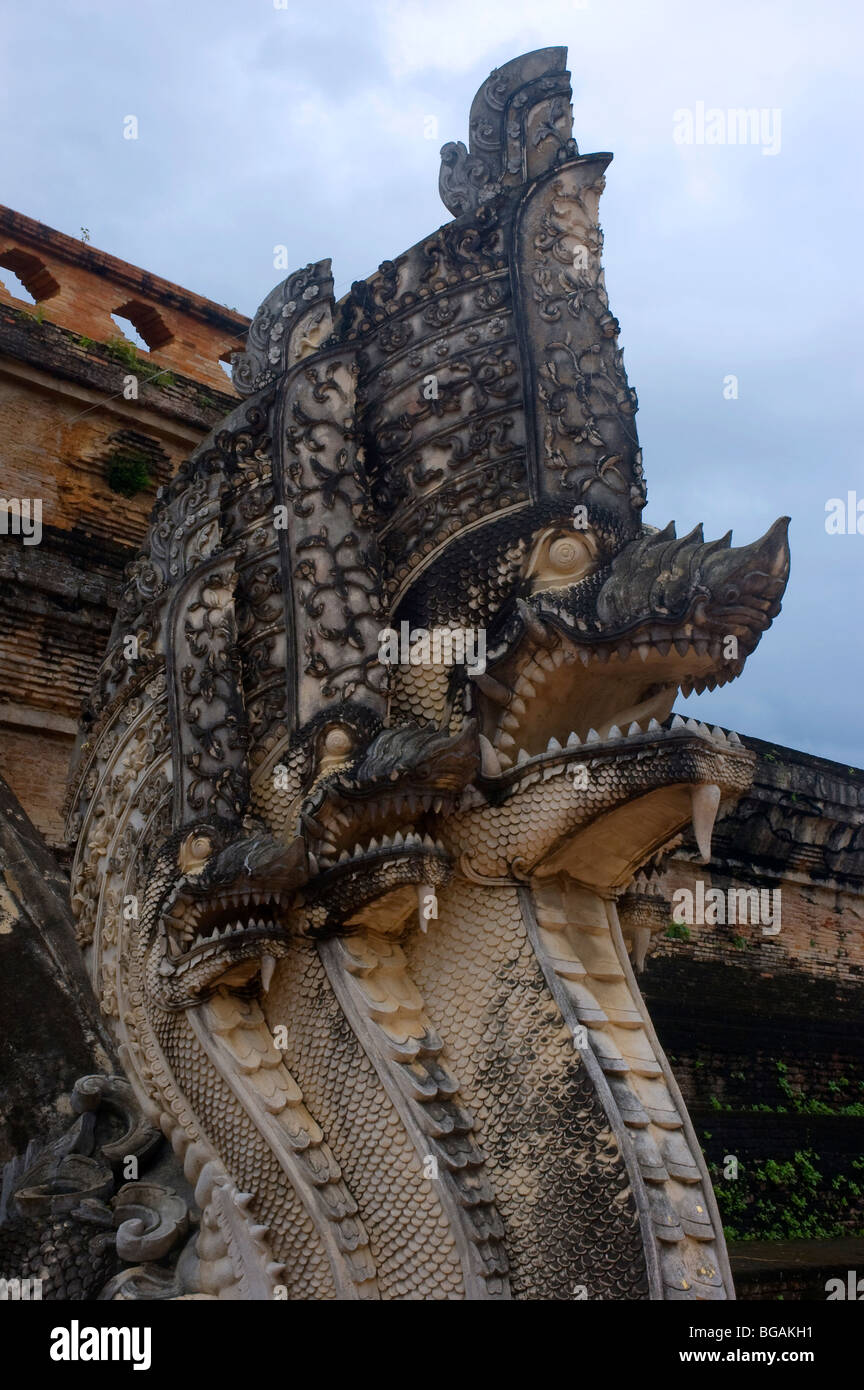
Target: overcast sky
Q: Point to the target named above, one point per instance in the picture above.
(305, 126)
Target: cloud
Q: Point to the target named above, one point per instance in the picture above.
(304, 126)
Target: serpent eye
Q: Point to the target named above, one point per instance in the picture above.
(194, 852)
(560, 558)
(335, 748)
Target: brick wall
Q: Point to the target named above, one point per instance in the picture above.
(79, 287)
(78, 407)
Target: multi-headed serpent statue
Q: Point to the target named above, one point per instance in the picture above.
(353, 921)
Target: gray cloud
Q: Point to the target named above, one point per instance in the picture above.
(304, 127)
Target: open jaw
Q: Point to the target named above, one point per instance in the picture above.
(621, 799)
(553, 687)
(375, 851)
(599, 716)
(222, 937)
(614, 648)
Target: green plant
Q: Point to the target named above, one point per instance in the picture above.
(785, 1200)
(124, 351)
(676, 931)
(128, 472)
(739, 943)
(162, 379)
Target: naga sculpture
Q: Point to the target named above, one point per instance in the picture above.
(354, 921)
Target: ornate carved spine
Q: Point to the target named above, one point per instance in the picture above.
(369, 977)
(578, 942)
(234, 1034)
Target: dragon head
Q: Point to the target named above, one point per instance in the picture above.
(216, 911)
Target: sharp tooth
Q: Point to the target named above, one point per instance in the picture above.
(509, 721)
(663, 647)
(682, 645)
(344, 857)
(634, 729)
(490, 763)
(613, 734)
(327, 847)
(732, 737)
(584, 655)
(524, 687)
(506, 740)
(705, 799)
(678, 723)
(313, 863)
(694, 725)
(268, 965)
(398, 840)
(623, 649)
(643, 648)
(358, 850)
(245, 897)
(428, 842)
(412, 840)
(373, 843)
(654, 727)
(592, 736)
(517, 706)
(521, 757)
(574, 741)
(553, 746)
(534, 626)
(602, 654)
(494, 689)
